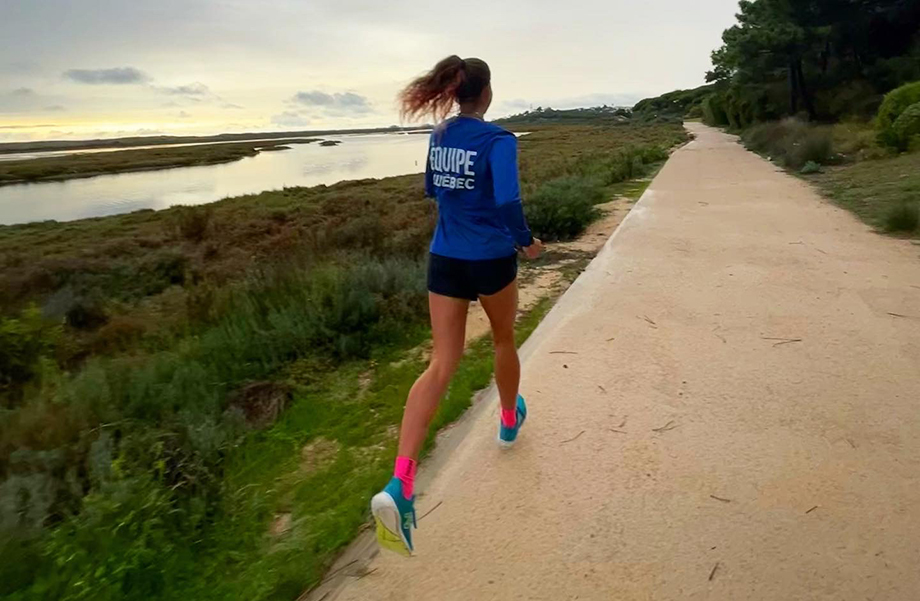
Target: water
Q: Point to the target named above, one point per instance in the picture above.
(357, 157)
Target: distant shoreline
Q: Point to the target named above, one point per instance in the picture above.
(134, 141)
(79, 166)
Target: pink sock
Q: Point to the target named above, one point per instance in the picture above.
(509, 417)
(405, 471)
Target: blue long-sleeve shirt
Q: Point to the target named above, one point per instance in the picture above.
(472, 172)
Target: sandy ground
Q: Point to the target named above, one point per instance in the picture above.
(535, 283)
(736, 416)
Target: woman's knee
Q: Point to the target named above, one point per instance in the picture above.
(503, 337)
(443, 368)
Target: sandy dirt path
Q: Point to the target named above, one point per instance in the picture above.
(737, 417)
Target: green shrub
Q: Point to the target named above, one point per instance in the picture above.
(695, 112)
(562, 208)
(193, 223)
(24, 341)
(714, 111)
(127, 543)
(810, 167)
(814, 145)
(906, 127)
(791, 142)
(895, 103)
(903, 217)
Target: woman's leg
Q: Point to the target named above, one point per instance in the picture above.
(502, 311)
(448, 330)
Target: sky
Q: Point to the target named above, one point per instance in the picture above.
(73, 69)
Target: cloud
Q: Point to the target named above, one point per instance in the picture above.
(55, 108)
(347, 102)
(23, 93)
(28, 126)
(196, 89)
(114, 76)
(230, 105)
(290, 119)
(183, 115)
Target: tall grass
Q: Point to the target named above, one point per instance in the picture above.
(791, 142)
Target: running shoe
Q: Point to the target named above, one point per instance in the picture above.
(508, 436)
(395, 517)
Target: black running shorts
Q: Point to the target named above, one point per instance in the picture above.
(460, 278)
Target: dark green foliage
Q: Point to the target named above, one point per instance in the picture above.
(24, 341)
(678, 104)
(611, 115)
(714, 110)
(896, 102)
(903, 217)
(562, 208)
(830, 58)
(907, 127)
(894, 131)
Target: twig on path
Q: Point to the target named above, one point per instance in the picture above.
(799, 242)
(819, 250)
(617, 431)
(715, 331)
(604, 390)
(812, 509)
(901, 315)
(668, 426)
(623, 423)
(852, 444)
(649, 320)
(781, 340)
(573, 438)
(721, 499)
(365, 574)
(427, 513)
(334, 572)
(713, 572)
(612, 338)
(563, 353)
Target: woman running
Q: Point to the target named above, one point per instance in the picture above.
(472, 172)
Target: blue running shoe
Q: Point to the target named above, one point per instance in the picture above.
(508, 436)
(395, 517)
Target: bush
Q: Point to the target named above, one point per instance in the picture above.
(193, 223)
(895, 103)
(904, 217)
(791, 142)
(814, 146)
(810, 167)
(24, 341)
(714, 111)
(562, 208)
(906, 127)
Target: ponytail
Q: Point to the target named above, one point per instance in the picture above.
(451, 81)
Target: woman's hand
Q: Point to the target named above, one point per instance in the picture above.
(533, 251)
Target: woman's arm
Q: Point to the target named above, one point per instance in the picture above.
(507, 189)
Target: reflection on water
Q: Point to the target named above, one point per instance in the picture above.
(357, 157)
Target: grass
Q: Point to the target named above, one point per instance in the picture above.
(885, 193)
(122, 161)
(846, 161)
(188, 378)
